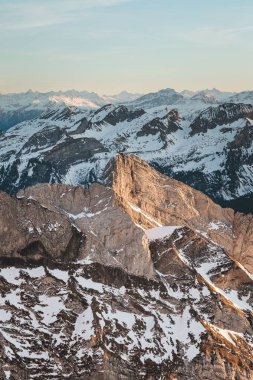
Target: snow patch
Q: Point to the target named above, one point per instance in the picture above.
(160, 232)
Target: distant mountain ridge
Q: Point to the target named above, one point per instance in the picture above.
(19, 107)
(16, 108)
(204, 143)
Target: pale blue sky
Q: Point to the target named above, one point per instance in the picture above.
(137, 45)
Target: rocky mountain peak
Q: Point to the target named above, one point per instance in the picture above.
(154, 200)
(226, 113)
(142, 278)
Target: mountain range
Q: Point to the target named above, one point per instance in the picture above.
(144, 278)
(15, 108)
(126, 229)
(201, 140)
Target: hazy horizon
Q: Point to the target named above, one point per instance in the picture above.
(122, 91)
(140, 46)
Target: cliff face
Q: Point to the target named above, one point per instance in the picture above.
(155, 200)
(243, 240)
(111, 237)
(30, 231)
(143, 279)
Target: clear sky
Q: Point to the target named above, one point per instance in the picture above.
(137, 45)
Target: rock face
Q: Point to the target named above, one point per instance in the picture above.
(31, 232)
(155, 200)
(243, 240)
(111, 237)
(227, 113)
(113, 304)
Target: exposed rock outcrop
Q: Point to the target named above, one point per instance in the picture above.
(31, 232)
(111, 237)
(93, 321)
(243, 240)
(224, 114)
(94, 299)
(153, 200)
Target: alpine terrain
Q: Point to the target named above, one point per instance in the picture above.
(137, 277)
(15, 108)
(126, 234)
(126, 215)
(203, 139)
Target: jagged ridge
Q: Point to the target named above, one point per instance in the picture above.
(178, 307)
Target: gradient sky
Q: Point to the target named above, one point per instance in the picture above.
(137, 45)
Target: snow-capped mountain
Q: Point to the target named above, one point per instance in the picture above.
(15, 108)
(242, 97)
(215, 93)
(164, 97)
(122, 97)
(207, 145)
(145, 278)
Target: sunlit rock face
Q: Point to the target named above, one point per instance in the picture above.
(145, 278)
(155, 200)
